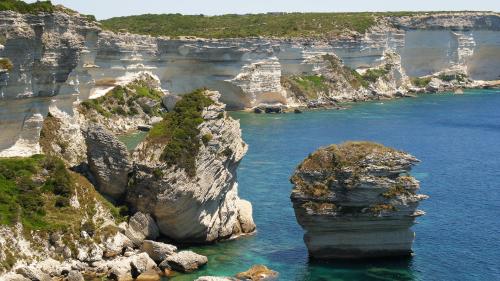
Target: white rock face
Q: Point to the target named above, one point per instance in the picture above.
(200, 208)
(63, 137)
(28, 142)
(260, 83)
(71, 59)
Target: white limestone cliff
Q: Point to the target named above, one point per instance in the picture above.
(70, 58)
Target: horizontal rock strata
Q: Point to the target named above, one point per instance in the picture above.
(356, 200)
(70, 58)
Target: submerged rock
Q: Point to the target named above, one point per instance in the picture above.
(255, 273)
(356, 200)
(258, 273)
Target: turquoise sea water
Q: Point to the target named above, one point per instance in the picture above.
(456, 137)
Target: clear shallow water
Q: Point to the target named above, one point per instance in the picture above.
(132, 140)
(456, 137)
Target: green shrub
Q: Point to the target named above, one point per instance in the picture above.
(88, 227)
(125, 101)
(251, 25)
(372, 75)
(206, 138)
(96, 105)
(421, 81)
(6, 64)
(25, 8)
(179, 131)
(62, 202)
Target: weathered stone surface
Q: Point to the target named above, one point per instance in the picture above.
(61, 136)
(115, 245)
(90, 253)
(169, 101)
(245, 216)
(108, 160)
(200, 208)
(258, 273)
(74, 275)
(33, 274)
(124, 268)
(14, 277)
(186, 261)
(70, 58)
(356, 200)
(158, 251)
(140, 227)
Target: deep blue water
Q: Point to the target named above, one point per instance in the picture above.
(457, 138)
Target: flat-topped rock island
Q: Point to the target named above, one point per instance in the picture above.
(356, 200)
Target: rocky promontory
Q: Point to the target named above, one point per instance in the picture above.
(185, 172)
(356, 200)
(89, 207)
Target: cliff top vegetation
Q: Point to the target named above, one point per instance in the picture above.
(179, 131)
(307, 25)
(25, 8)
(37, 190)
(37, 7)
(129, 100)
(251, 25)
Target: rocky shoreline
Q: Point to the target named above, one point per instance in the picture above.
(194, 201)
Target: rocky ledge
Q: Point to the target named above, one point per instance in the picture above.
(356, 200)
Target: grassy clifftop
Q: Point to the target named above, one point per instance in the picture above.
(233, 26)
(25, 8)
(37, 7)
(36, 191)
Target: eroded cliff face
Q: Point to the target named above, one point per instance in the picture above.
(197, 203)
(356, 200)
(70, 58)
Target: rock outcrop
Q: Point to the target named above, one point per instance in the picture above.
(108, 161)
(185, 261)
(192, 191)
(141, 227)
(356, 200)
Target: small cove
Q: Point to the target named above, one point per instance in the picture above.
(455, 136)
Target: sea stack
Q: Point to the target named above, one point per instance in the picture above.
(356, 200)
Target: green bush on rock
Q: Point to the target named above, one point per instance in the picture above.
(25, 8)
(127, 100)
(421, 81)
(6, 64)
(179, 131)
(36, 191)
